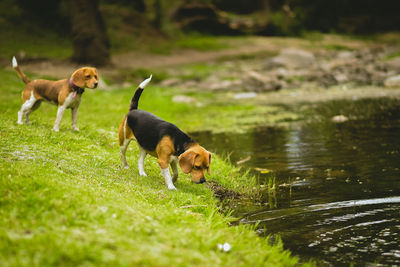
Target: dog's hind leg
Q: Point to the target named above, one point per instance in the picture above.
(34, 107)
(142, 155)
(27, 108)
(123, 149)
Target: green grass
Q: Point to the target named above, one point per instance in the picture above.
(204, 43)
(32, 45)
(65, 200)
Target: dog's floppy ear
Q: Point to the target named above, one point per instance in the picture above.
(78, 78)
(186, 161)
(209, 162)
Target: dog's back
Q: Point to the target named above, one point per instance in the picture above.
(149, 129)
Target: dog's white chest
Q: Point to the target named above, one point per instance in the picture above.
(72, 100)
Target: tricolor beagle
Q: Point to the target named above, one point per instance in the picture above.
(65, 93)
(164, 141)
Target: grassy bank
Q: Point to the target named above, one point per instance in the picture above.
(65, 200)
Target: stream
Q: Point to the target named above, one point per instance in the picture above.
(334, 193)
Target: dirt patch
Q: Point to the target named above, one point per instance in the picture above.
(258, 65)
(221, 192)
(237, 48)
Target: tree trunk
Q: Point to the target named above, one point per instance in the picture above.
(158, 13)
(90, 41)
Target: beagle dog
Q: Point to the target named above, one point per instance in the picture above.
(164, 141)
(65, 93)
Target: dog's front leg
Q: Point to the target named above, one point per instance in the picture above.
(164, 165)
(174, 166)
(74, 113)
(60, 113)
(168, 179)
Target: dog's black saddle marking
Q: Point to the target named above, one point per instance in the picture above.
(150, 129)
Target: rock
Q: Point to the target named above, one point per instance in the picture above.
(339, 118)
(345, 55)
(393, 64)
(291, 58)
(341, 77)
(323, 78)
(245, 95)
(183, 99)
(257, 82)
(225, 85)
(393, 81)
(327, 79)
(170, 82)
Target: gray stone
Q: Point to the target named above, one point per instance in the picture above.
(170, 82)
(245, 95)
(291, 58)
(339, 118)
(184, 99)
(392, 82)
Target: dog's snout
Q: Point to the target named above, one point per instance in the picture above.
(202, 180)
(95, 84)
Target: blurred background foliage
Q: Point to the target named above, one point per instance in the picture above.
(113, 25)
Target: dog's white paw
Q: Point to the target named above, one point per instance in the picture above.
(172, 187)
(143, 174)
(56, 129)
(75, 128)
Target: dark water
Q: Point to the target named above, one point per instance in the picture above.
(337, 185)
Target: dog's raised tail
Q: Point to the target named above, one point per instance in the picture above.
(20, 73)
(135, 99)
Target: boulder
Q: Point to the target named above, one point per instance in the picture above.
(184, 99)
(291, 58)
(392, 82)
(339, 119)
(393, 64)
(258, 82)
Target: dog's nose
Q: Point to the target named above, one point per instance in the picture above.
(95, 84)
(202, 180)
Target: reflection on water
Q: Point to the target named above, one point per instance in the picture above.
(338, 184)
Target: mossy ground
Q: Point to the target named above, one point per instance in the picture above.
(66, 201)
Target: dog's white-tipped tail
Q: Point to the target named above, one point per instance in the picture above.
(14, 62)
(20, 73)
(145, 82)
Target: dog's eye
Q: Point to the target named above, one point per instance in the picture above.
(87, 76)
(95, 76)
(197, 167)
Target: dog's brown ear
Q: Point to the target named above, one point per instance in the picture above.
(186, 161)
(78, 77)
(209, 162)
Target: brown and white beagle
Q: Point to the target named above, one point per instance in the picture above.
(65, 93)
(164, 141)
